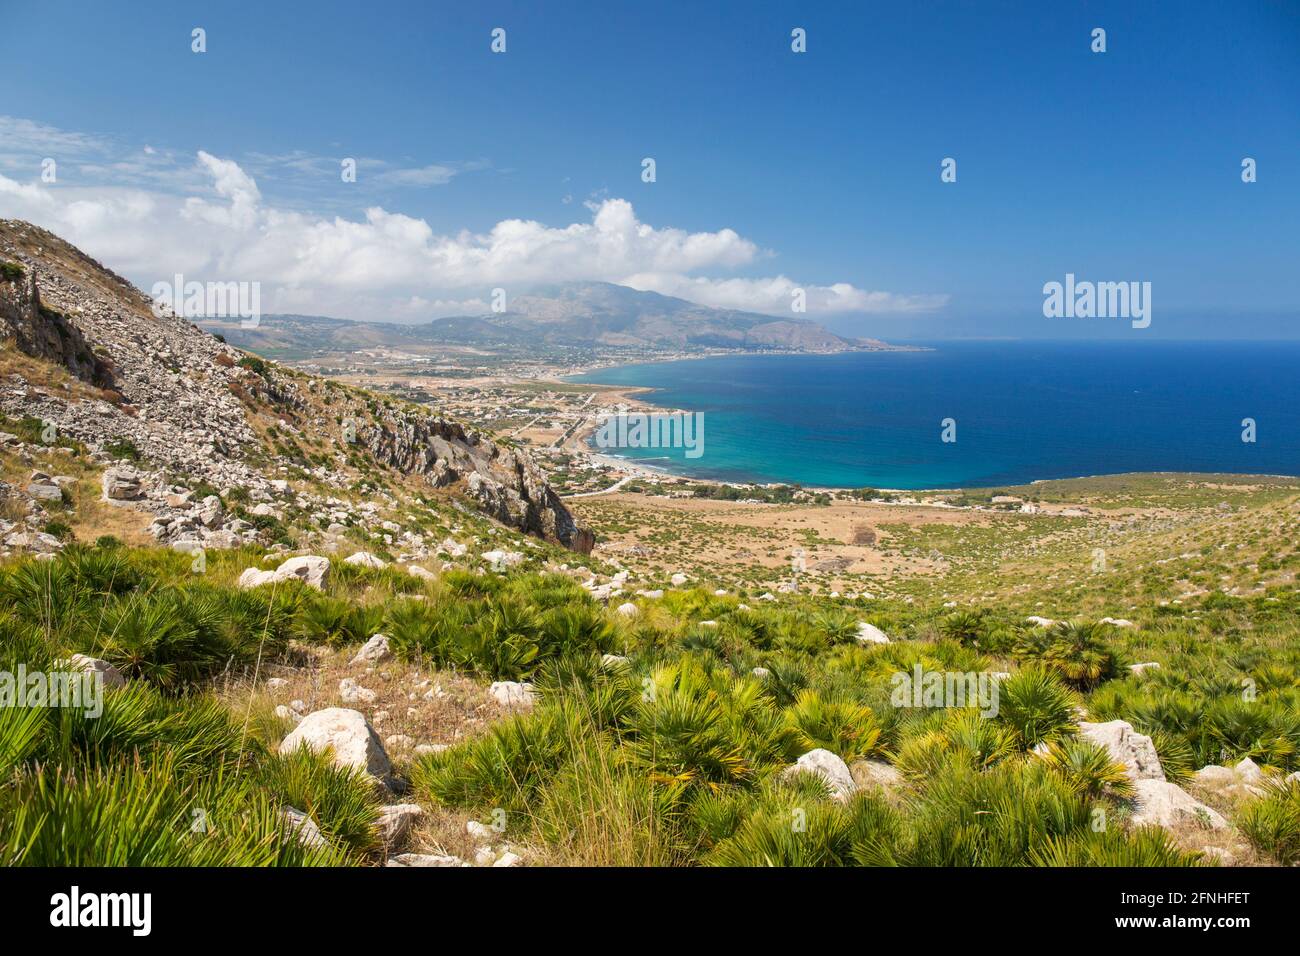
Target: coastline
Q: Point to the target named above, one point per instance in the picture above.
(638, 398)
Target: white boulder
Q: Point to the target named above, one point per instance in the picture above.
(94, 665)
(1164, 804)
(255, 578)
(833, 771)
(303, 828)
(343, 733)
(870, 634)
(1135, 751)
(373, 651)
(510, 693)
(875, 774)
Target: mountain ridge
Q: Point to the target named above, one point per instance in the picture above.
(560, 315)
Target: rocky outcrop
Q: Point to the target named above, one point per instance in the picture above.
(1164, 804)
(373, 651)
(111, 676)
(45, 333)
(876, 775)
(503, 482)
(177, 400)
(1243, 780)
(1135, 751)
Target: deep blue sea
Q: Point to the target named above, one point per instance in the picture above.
(1023, 411)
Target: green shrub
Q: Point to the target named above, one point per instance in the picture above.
(849, 730)
(1087, 768)
(342, 802)
(1036, 705)
(505, 767)
(1272, 823)
(123, 449)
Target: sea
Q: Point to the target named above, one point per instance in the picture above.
(979, 414)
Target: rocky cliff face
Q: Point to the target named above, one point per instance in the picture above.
(42, 332)
(187, 404)
(503, 482)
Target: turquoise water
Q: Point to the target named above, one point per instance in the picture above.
(1023, 411)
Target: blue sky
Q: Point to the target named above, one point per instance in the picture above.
(820, 168)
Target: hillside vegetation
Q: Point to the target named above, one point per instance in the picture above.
(657, 733)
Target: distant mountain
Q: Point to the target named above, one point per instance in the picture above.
(571, 314)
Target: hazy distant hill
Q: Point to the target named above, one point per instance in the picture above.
(582, 314)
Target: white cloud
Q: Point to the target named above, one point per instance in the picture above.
(774, 295)
(432, 175)
(207, 218)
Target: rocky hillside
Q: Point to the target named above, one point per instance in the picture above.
(171, 410)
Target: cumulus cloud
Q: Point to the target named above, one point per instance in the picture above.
(214, 224)
(774, 295)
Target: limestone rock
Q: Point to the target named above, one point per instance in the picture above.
(255, 578)
(1164, 804)
(870, 634)
(94, 665)
(395, 821)
(45, 491)
(353, 693)
(373, 651)
(122, 484)
(877, 774)
(303, 828)
(1135, 751)
(481, 831)
(510, 693)
(833, 771)
(346, 735)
